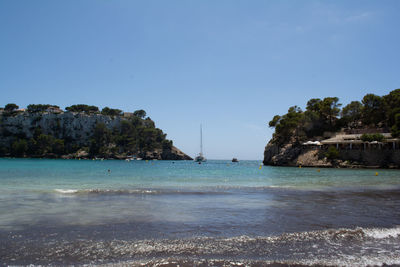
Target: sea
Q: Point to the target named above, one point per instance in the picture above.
(180, 213)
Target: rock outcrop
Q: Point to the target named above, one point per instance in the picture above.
(78, 129)
(294, 154)
(68, 125)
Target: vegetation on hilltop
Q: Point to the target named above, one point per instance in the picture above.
(325, 115)
(111, 111)
(35, 108)
(134, 135)
(83, 108)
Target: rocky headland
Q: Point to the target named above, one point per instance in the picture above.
(296, 154)
(53, 133)
(362, 134)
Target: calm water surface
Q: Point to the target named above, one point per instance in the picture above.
(105, 212)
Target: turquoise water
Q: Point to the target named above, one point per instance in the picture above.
(47, 175)
(142, 210)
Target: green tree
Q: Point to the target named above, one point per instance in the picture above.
(37, 132)
(352, 112)
(111, 111)
(320, 116)
(125, 136)
(373, 111)
(275, 120)
(314, 104)
(4, 150)
(372, 137)
(82, 108)
(396, 126)
(11, 107)
(136, 121)
(140, 113)
(19, 147)
(313, 124)
(329, 108)
(392, 105)
(288, 125)
(44, 144)
(100, 139)
(34, 108)
(58, 146)
(149, 123)
(332, 153)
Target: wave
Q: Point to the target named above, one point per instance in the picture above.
(66, 191)
(381, 233)
(133, 192)
(214, 190)
(105, 191)
(333, 247)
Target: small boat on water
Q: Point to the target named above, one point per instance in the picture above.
(130, 158)
(200, 158)
(235, 160)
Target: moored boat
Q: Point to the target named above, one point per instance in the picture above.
(200, 158)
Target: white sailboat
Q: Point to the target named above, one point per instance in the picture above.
(200, 157)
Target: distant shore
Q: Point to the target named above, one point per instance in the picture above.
(299, 156)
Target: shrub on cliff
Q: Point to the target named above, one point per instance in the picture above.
(352, 113)
(4, 151)
(58, 147)
(392, 105)
(44, 144)
(100, 139)
(372, 137)
(82, 108)
(332, 153)
(373, 111)
(286, 125)
(166, 144)
(140, 113)
(34, 108)
(111, 111)
(10, 109)
(396, 127)
(19, 147)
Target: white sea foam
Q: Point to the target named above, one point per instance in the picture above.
(66, 191)
(380, 233)
(105, 191)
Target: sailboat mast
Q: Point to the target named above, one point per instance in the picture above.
(201, 140)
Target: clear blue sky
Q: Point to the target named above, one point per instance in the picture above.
(230, 65)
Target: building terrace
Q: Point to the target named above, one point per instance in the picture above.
(353, 141)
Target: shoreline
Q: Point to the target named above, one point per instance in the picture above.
(337, 167)
(294, 155)
(95, 158)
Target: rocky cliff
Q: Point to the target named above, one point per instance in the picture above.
(295, 154)
(76, 133)
(69, 125)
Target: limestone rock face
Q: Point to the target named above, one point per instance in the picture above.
(76, 126)
(174, 154)
(292, 154)
(281, 156)
(313, 157)
(71, 126)
(270, 151)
